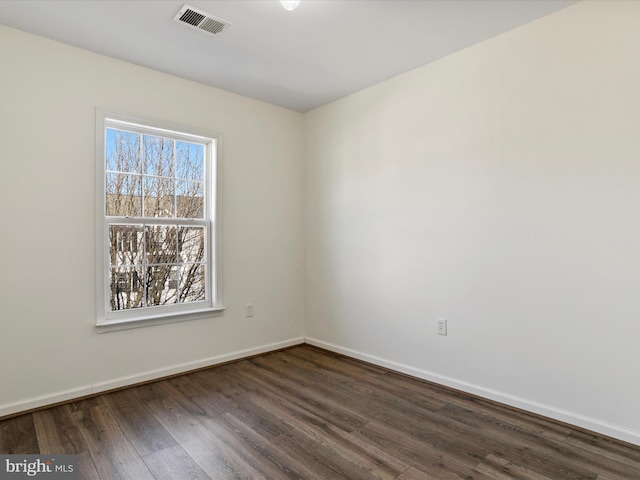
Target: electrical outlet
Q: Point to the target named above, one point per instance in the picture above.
(442, 326)
(248, 310)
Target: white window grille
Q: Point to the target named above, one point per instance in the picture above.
(156, 239)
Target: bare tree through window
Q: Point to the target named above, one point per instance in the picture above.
(154, 187)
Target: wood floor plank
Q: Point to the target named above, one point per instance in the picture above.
(553, 457)
(175, 394)
(521, 446)
(476, 442)
(173, 463)
(510, 416)
(320, 459)
(149, 392)
(351, 376)
(413, 473)
(606, 448)
(367, 401)
(321, 406)
(364, 455)
(278, 368)
(18, 436)
(432, 427)
(188, 387)
(141, 428)
(227, 383)
(501, 469)
(497, 424)
(57, 433)
(235, 399)
(335, 363)
(211, 393)
(367, 386)
(305, 413)
(101, 434)
(85, 403)
(415, 453)
(211, 453)
(261, 453)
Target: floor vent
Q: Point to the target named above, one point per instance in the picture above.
(203, 21)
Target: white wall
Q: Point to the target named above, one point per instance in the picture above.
(499, 188)
(49, 349)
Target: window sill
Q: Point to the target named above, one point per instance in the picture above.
(106, 326)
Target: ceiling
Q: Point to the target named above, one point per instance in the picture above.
(322, 51)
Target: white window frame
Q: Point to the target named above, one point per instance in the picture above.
(108, 320)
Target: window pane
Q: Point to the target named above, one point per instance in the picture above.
(127, 288)
(122, 151)
(190, 161)
(123, 197)
(157, 221)
(191, 244)
(158, 156)
(189, 199)
(161, 285)
(192, 283)
(161, 244)
(159, 198)
(126, 244)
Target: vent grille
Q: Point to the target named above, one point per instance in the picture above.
(191, 17)
(201, 20)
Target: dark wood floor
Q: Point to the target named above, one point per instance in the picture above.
(306, 413)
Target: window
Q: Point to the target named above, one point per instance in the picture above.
(156, 238)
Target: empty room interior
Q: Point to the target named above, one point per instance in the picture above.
(338, 239)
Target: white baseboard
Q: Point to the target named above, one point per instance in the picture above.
(561, 415)
(81, 391)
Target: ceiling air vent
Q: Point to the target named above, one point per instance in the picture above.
(201, 20)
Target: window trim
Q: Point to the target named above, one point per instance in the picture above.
(107, 321)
